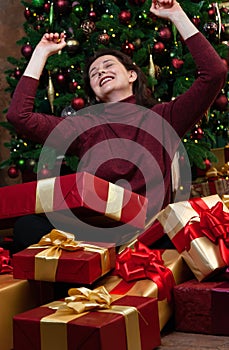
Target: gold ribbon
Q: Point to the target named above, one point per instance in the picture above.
(46, 261)
(45, 195)
(225, 199)
(53, 328)
(114, 202)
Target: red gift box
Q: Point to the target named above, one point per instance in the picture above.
(202, 307)
(73, 262)
(130, 323)
(198, 230)
(85, 194)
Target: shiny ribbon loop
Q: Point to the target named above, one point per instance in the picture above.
(83, 299)
(59, 240)
(214, 224)
(143, 263)
(5, 261)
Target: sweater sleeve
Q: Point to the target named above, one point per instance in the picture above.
(187, 109)
(35, 126)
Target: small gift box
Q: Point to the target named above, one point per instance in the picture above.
(58, 257)
(150, 273)
(202, 307)
(16, 296)
(198, 229)
(89, 320)
(85, 194)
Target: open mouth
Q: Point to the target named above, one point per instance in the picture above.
(105, 80)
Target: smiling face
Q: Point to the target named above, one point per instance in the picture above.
(110, 80)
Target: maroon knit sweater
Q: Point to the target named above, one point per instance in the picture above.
(141, 146)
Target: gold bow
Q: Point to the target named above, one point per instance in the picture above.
(59, 239)
(83, 299)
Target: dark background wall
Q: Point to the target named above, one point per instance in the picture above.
(11, 30)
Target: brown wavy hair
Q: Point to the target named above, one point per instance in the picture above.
(141, 90)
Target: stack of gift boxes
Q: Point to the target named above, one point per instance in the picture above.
(113, 297)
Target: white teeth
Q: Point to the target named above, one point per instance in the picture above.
(104, 81)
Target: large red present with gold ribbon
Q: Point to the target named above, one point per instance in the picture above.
(141, 271)
(85, 194)
(89, 320)
(199, 229)
(202, 307)
(59, 257)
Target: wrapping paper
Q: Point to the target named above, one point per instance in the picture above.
(202, 307)
(128, 323)
(198, 229)
(85, 194)
(16, 296)
(147, 287)
(58, 257)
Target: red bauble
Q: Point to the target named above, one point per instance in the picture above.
(196, 21)
(197, 133)
(158, 47)
(128, 48)
(17, 73)
(13, 172)
(221, 103)
(62, 7)
(72, 86)
(211, 12)
(27, 13)
(77, 103)
(92, 16)
(125, 17)
(177, 63)
(27, 50)
(165, 33)
(104, 39)
(60, 78)
(47, 6)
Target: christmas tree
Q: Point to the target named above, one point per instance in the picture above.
(154, 45)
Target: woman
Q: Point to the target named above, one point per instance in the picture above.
(111, 78)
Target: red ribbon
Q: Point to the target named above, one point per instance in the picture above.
(5, 261)
(214, 224)
(142, 263)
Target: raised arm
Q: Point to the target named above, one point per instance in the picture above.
(49, 45)
(171, 10)
(188, 108)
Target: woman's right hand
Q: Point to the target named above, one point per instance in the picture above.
(51, 43)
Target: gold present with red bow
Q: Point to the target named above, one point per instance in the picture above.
(85, 194)
(141, 271)
(89, 319)
(199, 229)
(59, 257)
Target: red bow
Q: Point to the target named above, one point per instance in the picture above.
(4, 261)
(142, 263)
(214, 224)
